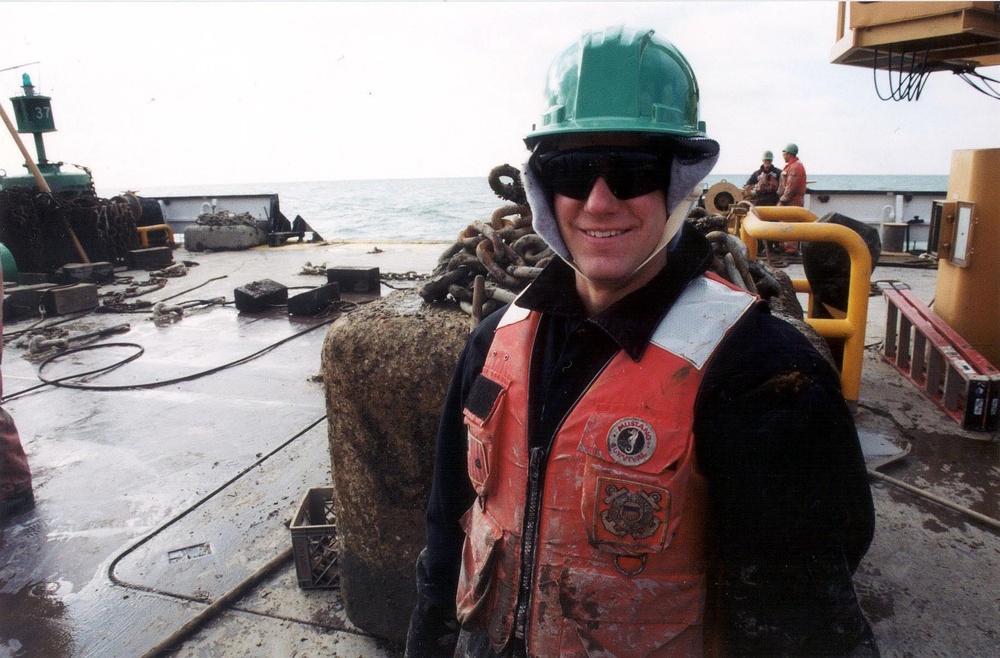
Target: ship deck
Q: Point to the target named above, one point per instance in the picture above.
(162, 508)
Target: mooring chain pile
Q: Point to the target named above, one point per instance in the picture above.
(95, 224)
(505, 252)
(33, 225)
(24, 226)
(112, 221)
(732, 257)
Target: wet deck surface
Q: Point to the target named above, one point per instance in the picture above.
(154, 501)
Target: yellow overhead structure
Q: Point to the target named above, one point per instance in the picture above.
(904, 42)
(952, 33)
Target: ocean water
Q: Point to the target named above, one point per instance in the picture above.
(438, 209)
(855, 182)
(404, 210)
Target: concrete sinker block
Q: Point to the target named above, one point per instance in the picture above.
(223, 238)
(386, 368)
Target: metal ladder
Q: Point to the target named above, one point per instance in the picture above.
(934, 357)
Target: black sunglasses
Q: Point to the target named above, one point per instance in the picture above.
(629, 173)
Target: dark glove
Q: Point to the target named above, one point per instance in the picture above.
(867, 647)
(433, 628)
(433, 632)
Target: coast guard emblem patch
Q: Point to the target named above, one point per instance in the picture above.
(631, 509)
(631, 441)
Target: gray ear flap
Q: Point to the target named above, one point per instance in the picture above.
(689, 168)
(543, 216)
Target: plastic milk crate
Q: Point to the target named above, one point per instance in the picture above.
(314, 540)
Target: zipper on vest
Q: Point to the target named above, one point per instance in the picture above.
(537, 458)
(536, 461)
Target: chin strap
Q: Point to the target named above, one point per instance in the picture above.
(670, 229)
(673, 225)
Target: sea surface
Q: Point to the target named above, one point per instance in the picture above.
(438, 209)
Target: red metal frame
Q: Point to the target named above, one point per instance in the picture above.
(928, 352)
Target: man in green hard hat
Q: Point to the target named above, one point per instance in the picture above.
(635, 458)
(792, 186)
(763, 183)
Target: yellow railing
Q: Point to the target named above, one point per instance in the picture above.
(794, 224)
(144, 232)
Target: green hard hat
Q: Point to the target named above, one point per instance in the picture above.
(792, 149)
(768, 155)
(620, 80)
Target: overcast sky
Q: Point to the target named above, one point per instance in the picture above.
(160, 94)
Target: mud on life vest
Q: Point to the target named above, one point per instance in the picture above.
(620, 549)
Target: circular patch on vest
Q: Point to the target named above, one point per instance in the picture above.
(631, 441)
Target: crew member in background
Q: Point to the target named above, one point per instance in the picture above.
(792, 187)
(635, 458)
(16, 494)
(763, 183)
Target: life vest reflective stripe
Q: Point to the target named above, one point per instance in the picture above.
(620, 548)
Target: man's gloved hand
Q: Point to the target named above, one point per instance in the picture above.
(433, 631)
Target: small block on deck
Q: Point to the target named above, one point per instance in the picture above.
(314, 301)
(62, 300)
(101, 272)
(260, 296)
(355, 279)
(32, 278)
(152, 258)
(23, 301)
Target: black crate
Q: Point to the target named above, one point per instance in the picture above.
(260, 296)
(355, 279)
(314, 541)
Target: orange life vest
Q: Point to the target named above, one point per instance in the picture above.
(767, 182)
(619, 535)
